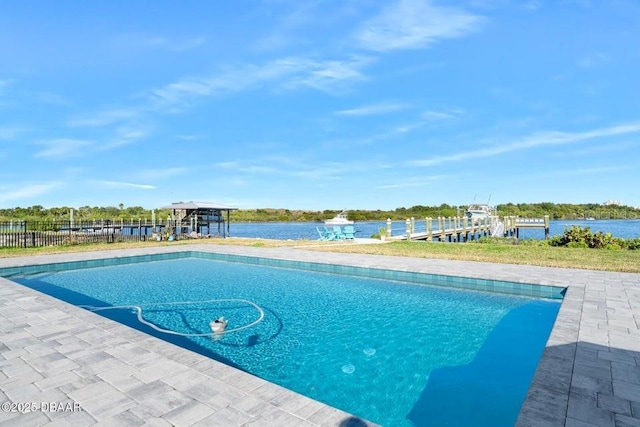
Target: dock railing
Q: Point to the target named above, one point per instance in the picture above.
(464, 228)
(25, 234)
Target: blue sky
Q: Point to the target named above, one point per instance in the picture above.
(331, 104)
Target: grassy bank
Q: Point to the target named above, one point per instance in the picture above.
(547, 256)
(18, 252)
(540, 255)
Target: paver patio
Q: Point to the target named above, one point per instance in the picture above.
(51, 351)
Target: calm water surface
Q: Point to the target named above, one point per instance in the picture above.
(629, 228)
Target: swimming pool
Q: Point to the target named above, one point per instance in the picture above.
(388, 351)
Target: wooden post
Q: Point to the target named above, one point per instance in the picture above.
(413, 225)
(408, 229)
(388, 227)
(429, 229)
(546, 227)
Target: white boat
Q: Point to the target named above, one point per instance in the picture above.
(340, 219)
(478, 211)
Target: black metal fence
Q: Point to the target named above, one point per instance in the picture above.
(28, 234)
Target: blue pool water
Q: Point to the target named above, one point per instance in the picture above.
(391, 352)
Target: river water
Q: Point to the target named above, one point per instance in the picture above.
(626, 228)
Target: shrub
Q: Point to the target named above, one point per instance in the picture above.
(631, 244)
(578, 237)
(381, 232)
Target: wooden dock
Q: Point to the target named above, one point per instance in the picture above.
(462, 229)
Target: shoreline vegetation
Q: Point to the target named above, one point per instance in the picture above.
(524, 210)
(575, 249)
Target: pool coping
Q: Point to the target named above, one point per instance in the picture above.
(588, 374)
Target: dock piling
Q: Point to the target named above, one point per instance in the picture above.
(462, 229)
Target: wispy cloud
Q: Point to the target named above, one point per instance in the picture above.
(26, 192)
(63, 148)
(119, 184)
(583, 171)
(3, 84)
(430, 118)
(181, 45)
(12, 132)
(125, 136)
(295, 167)
(53, 99)
(599, 149)
(257, 169)
(414, 24)
(300, 14)
(413, 182)
(435, 116)
(531, 5)
(161, 42)
(285, 73)
(105, 118)
(580, 3)
(593, 60)
(187, 137)
(329, 76)
(535, 140)
(227, 165)
(324, 171)
(373, 109)
(160, 174)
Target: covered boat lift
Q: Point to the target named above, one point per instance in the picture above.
(200, 216)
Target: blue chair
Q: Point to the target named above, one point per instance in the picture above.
(325, 234)
(349, 232)
(337, 233)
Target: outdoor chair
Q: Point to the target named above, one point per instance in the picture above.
(349, 232)
(337, 233)
(325, 234)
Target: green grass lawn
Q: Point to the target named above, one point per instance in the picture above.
(18, 252)
(526, 254)
(541, 255)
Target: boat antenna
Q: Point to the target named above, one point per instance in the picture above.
(489, 199)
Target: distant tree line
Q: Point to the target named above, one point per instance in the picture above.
(63, 213)
(528, 210)
(569, 211)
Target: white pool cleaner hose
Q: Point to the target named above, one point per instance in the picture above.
(141, 319)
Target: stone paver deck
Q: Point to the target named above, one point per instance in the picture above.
(51, 351)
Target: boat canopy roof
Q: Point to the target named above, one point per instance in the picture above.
(199, 205)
